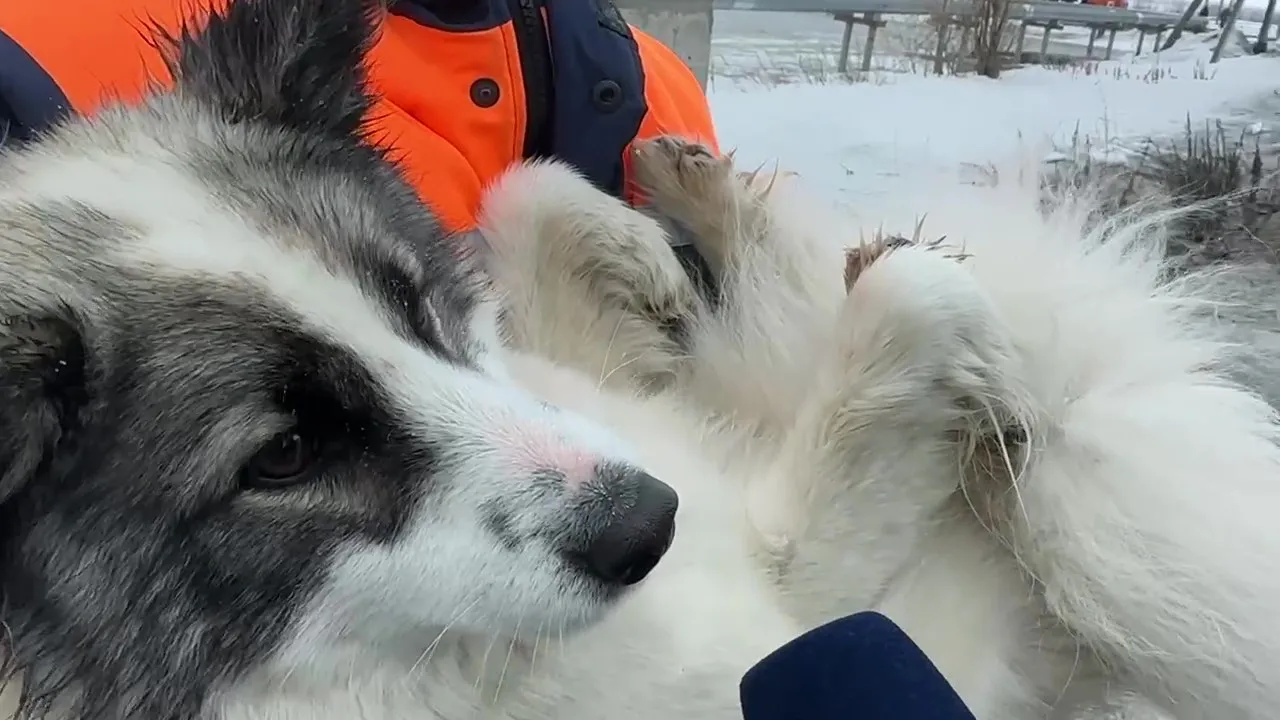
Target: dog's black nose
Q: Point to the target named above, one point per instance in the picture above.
(631, 545)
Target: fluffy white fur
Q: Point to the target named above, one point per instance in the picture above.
(1019, 443)
(1116, 557)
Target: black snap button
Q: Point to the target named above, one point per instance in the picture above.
(484, 93)
(607, 95)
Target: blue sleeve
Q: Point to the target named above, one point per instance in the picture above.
(8, 124)
(30, 100)
(861, 667)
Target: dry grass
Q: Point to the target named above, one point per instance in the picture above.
(1223, 175)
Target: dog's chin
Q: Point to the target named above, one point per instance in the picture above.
(538, 640)
(535, 630)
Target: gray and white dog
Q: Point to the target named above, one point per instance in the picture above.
(247, 398)
(269, 450)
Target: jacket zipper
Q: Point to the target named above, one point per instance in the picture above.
(534, 52)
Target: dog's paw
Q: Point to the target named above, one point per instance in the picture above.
(682, 178)
(573, 232)
(923, 286)
(857, 259)
(950, 353)
(935, 311)
(663, 294)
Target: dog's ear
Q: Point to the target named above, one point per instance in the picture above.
(296, 63)
(42, 392)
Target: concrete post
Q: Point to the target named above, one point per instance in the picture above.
(842, 63)
(1264, 34)
(1182, 23)
(682, 25)
(1226, 31)
(1044, 41)
(873, 24)
(944, 27)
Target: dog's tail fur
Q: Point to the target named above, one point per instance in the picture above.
(1148, 506)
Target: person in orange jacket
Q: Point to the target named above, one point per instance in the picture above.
(464, 88)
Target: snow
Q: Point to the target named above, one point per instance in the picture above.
(868, 138)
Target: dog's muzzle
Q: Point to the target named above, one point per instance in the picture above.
(628, 547)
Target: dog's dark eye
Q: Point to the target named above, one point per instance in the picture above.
(285, 460)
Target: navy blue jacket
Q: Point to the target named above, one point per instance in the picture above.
(861, 667)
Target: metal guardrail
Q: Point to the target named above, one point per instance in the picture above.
(1100, 19)
(1064, 13)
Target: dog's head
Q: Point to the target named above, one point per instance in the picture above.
(251, 404)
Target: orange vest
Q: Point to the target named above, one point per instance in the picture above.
(460, 98)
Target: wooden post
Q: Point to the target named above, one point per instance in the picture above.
(1111, 42)
(1226, 31)
(1182, 23)
(873, 24)
(842, 65)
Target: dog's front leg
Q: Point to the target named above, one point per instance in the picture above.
(589, 282)
(775, 263)
(917, 367)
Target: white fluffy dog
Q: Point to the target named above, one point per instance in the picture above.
(265, 456)
(1019, 443)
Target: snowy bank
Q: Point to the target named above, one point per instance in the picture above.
(867, 139)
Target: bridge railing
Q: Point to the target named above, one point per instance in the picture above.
(1049, 16)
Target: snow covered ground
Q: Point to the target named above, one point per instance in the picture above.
(903, 129)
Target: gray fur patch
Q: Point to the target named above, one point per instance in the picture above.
(139, 572)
